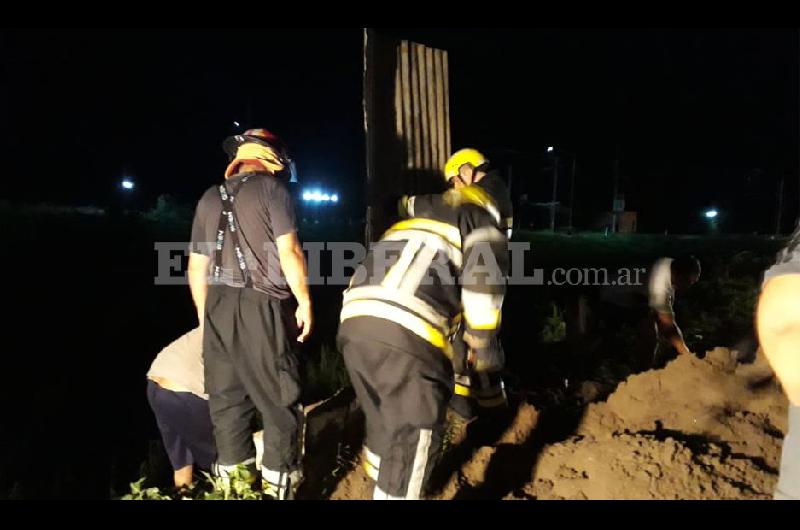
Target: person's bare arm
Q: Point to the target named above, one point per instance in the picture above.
(198, 282)
(778, 322)
(669, 330)
(293, 264)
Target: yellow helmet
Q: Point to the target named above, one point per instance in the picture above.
(461, 157)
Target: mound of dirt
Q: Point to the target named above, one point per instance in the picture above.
(698, 429)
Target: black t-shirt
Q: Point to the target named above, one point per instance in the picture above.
(264, 211)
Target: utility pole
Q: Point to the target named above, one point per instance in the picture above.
(614, 198)
(510, 188)
(555, 189)
(572, 194)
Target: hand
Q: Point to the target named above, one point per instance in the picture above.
(304, 321)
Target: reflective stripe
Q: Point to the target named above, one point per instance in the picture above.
(509, 226)
(410, 205)
(420, 464)
(462, 379)
(410, 321)
(402, 206)
(371, 471)
(417, 305)
(447, 231)
(481, 310)
(258, 441)
(372, 464)
(372, 458)
(484, 234)
(225, 471)
(276, 478)
(417, 270)
(455, 324)
(484, 321)
(432, 240)
(398, 270)
(494, 212)
(380, 495)
(473, 194)
(462, 390)
(280, 484)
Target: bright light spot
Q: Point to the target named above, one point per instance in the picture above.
(127, 184)
(550, 149)
(319, 196)
(236, 123)
(710, 214)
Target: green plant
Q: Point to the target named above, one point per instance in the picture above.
(555, 328)
(238, 487)
(140, 493)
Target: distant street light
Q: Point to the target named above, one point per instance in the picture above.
(712, 216)
(556, 156)
(127, 184)
(317, 196)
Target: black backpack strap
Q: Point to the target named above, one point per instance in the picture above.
(229, 223)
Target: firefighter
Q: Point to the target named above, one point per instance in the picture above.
(399, 315)
(469, 168)
(247, 275)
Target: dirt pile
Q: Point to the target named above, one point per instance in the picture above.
(698, 429)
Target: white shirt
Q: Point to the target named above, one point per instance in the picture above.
(182, 363)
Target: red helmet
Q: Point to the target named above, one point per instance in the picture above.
(259, 136)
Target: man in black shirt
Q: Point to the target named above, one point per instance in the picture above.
(245, 266)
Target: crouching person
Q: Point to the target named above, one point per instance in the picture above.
(175, 390)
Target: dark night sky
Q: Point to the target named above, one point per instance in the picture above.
(698, 117)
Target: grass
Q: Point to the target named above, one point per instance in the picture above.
(597, 249)
(326, 374)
